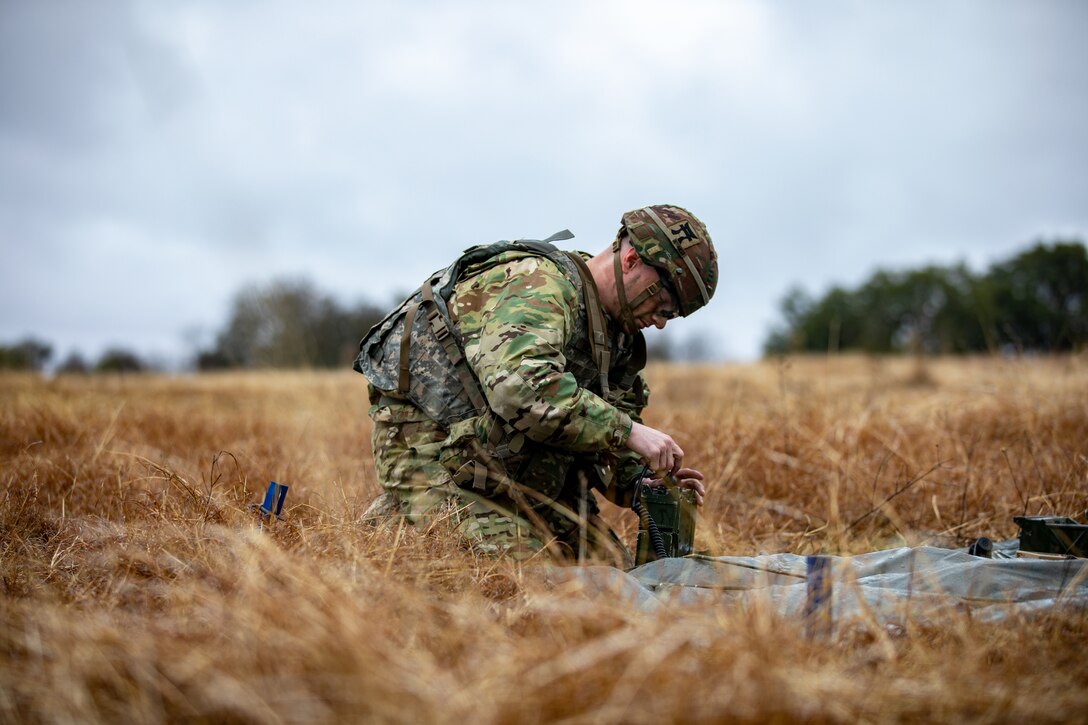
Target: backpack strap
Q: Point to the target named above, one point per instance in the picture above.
(440, 326)
(598, 337)
(442, 331)
(405, 350)
(633, 367)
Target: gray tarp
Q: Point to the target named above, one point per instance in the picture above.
(886, 586)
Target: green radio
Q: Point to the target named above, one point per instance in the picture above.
(666, 527)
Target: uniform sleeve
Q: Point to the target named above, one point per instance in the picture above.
(626, 464)
(516, 319)
(632, 404)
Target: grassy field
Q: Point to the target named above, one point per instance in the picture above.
(136, 586)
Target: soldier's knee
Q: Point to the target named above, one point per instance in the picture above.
(497, 534)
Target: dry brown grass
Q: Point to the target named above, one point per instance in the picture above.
(135, 586)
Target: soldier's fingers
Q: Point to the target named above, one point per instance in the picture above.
(667, 462)
(662, 460)
(677, 458)
(689, 482)
(695, 485)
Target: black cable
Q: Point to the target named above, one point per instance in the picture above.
(644, 517)
(651, 526)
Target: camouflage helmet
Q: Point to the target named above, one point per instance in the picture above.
(677, 243)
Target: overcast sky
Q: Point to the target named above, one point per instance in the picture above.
(155, 157)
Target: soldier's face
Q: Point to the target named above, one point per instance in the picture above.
(657, 310)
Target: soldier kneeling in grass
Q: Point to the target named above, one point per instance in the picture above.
(510, 384)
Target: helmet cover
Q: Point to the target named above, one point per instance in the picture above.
(674, 240)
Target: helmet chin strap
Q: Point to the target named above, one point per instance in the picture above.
(621, 292)
(625, 308)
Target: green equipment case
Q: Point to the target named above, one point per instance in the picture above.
(672, 509)
(1055, 535)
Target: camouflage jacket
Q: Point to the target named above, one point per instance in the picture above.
(518, 316)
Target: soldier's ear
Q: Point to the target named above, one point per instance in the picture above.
(630, 258)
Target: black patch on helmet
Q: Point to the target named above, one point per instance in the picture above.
(683, 229)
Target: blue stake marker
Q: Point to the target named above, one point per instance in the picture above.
(273, 499)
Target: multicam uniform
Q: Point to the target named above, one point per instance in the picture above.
(513, 470)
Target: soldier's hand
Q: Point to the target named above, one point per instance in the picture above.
(684, 478)
(658, 449)
(690, 478)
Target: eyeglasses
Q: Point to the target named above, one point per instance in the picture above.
(672, 311)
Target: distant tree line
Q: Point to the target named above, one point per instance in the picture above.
(288, 323)
(33, 355)
(30, 354)
(1035, 301)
